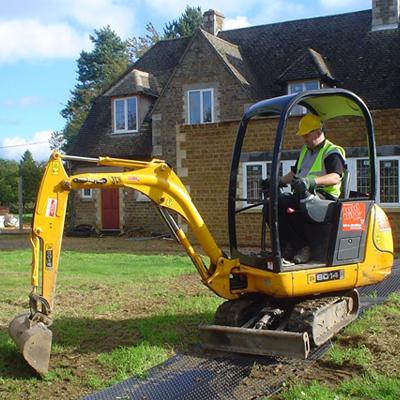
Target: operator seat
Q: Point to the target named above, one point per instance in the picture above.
(320, 219)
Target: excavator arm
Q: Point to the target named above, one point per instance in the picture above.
(155, 179)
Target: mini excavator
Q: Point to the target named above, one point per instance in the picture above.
(271, 308)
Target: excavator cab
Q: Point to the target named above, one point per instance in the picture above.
(336, 229)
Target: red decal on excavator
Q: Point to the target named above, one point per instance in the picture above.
(51, 207)
(132, 178)
(353, 217)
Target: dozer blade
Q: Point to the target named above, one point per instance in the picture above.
(255, 341)
(34, 341)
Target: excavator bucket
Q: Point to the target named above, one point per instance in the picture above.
(254, 341)
(34, 341)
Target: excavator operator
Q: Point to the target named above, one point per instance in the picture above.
(318, 169)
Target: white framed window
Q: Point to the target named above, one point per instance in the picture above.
(254, 172)
(86, 193)
(388, 184)
(301, 86)
(125, 115)
(200, 106)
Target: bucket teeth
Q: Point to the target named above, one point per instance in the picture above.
(34, 341)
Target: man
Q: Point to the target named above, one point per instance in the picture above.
(319, 168)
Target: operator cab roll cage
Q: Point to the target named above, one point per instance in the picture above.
(327, 104)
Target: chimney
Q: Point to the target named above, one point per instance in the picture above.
(385, 14)
(213, 21)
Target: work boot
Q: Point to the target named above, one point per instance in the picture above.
(288, 252)
(303, 255)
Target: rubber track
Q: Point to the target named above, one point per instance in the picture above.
(202, 377)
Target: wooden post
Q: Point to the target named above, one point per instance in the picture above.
(20, 205)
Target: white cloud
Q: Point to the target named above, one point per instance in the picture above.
(47, 29)
(238, 22)
(332, 5)
(29, 39)
(44, 29)
(37, 144)
(98, 13)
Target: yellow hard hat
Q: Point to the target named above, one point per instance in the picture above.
(310, 122)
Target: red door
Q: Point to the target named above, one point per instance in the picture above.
(110, 209)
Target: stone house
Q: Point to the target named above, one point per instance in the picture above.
(183, 99)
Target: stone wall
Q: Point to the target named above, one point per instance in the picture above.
(204, 156)
(85, 210)
(140, 214)
(200, 68)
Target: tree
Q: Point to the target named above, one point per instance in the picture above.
(9, 184)
(187, 23)
(97, 69)
(31, 173)
(57, 140)
(139, 46)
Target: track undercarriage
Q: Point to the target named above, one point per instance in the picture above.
(263, 326)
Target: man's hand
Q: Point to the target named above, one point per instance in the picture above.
(266, 183)
(301, 185)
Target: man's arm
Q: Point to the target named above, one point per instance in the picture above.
(328, 180)
(334, 165)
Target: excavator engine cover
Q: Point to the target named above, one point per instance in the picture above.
(34, 341)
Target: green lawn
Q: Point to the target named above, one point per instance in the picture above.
(116, 315)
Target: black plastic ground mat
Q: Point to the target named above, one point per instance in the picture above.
(191, 377)
(210, 377)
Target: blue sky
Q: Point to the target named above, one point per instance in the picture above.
(40, 41)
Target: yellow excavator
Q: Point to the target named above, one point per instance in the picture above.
(272, 308)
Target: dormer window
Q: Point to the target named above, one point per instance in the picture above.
(125, 115)
(301, 86)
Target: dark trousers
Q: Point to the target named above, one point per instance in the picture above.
(291, 222)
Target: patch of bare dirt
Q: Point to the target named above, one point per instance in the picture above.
(187, 285)
(100, 244)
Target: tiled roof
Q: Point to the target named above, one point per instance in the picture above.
(232, 57)
(133, 82)
(365, 62)
(162, 58)
(310, 65)
(95, 139)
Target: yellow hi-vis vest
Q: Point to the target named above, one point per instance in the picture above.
(318, 166)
